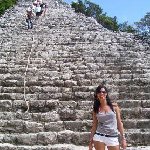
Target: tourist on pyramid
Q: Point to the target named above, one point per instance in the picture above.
(44, 8)
(29, 16)
(39, 8)
(40, 1)
(106, 123)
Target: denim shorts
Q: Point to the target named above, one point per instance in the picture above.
(108, 141)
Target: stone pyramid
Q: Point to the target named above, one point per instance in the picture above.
(48, 76)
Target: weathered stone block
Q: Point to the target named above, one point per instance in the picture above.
(70, 83)
(26, 139)
(65, 136)
(83, 115)
(78, 126)
(84, 82)
(128, 124)
(19, 105)
(46, 138)
(54, 126)
(5, 105)
(51, 105)
(15, 126)
(50, 89)
(50, 117)
(81, 138)
(37, 105)
(129, 103)
(143, 124)
(145, 103)
(33, 127)
(67, 114)
(85, 105)
(83, 95)
(129, 113)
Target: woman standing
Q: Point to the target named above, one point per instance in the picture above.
(106, 123)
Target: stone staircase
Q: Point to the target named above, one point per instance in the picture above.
(55, 68)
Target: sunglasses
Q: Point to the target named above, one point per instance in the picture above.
(103, 92)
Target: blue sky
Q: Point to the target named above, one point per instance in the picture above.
(125, 10)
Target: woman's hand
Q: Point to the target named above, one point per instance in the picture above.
(91, 145)
(123, 143)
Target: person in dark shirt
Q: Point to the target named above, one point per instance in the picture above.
(29, 15)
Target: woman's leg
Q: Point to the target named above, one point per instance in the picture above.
(99, 145)
(113, 147)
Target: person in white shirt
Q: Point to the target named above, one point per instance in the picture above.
(38, 10)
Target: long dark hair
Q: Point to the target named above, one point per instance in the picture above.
(97, 103)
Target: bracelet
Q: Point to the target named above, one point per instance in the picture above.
(91, 140)
(123, 137)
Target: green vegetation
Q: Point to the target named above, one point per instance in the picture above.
(143, 26)
(5, 4)
(141, 29)
(124, 27)
(93, 10)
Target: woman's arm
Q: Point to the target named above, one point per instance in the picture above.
(120, 126)
(93, 129)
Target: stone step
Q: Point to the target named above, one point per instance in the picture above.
(48, 71)
(46, 95)
(141, 124)
(134, 75)
(37, 105)
(9, 76)
(140, 136)
(69, 137)
(65, 114)
(136, 113)
(7, 146)
(47, 92)
(34, 117)
(45, 138)
(135, 81)
(137, 95)
(133, 103)
(134, 88)
(20, 126)
(53, 86)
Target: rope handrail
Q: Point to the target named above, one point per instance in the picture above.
(25, 76)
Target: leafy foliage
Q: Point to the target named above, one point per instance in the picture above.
(5, 4)
(108, 22)
(124, 27)
(93, 10)
(143, 26)
(79, 7)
